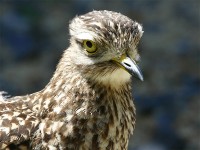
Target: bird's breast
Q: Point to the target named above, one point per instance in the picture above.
(90, 118)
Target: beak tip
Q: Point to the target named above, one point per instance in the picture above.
(140, 77)
(138, 74)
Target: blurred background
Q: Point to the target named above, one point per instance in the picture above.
(33, 35)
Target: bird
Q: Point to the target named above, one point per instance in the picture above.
(88, 102)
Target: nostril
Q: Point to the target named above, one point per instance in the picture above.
(127, 64)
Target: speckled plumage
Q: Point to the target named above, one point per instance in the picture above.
(87, 104)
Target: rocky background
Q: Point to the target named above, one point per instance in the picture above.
(33, 35)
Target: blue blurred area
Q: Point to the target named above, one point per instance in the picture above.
(34, 34)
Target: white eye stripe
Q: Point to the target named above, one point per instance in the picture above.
(83, 36)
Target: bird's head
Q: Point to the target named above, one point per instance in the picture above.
(104, 46)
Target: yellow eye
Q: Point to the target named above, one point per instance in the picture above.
(90, 46)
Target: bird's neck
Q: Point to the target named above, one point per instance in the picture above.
(69, 85)
(75, 102)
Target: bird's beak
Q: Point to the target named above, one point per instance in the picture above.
(129, 65)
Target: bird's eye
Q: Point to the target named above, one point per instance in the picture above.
(90, 46)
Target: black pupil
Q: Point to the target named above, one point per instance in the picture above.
(89, 44)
